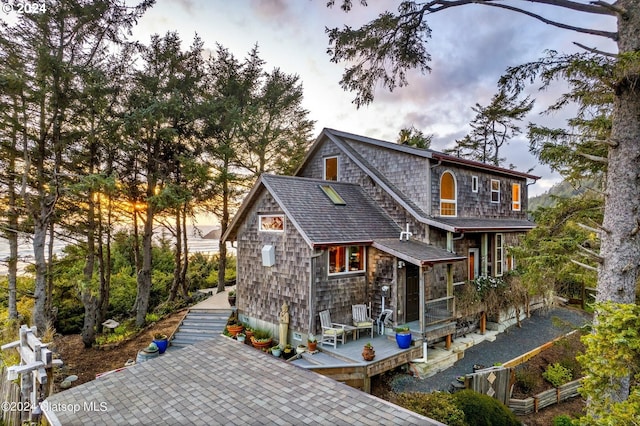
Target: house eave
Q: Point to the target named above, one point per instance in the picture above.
(325, 244)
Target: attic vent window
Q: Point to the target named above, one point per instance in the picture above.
(333, 195)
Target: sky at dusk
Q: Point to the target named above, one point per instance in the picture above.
(470, 46)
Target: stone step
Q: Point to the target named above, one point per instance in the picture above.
(201, 325)
(189, 340)
(209, 315)
(204, 311)
(198, 331)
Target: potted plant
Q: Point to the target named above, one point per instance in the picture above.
(368, 353)
(240, 337)
(233, 327)
(161, 341)
(231, 297)
(261, 339)
(287, 351)
(248, 331)
(300, 348)
(403, 336)
(276, 351)
(312, 343)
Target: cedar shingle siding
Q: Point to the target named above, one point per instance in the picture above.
(263, 289)
(385, 186)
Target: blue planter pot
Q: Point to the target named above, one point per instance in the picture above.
(161, 344)
(403, 340)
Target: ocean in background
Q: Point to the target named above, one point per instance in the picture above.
(197, 244)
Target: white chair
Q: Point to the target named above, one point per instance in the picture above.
(362, 318)
(332, 332)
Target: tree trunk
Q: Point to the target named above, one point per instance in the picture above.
(620, 240)
(40, 317)
(177, 256)
(12, 222)
(144, 275)
(224, 224)
(185, 249)
(88, 298)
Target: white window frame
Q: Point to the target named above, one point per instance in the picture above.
(263, 216)
(499, 255)
(495, 191)
(324, 167)
(474, 183)
(516, 205)
(346, 259)
(454, 201)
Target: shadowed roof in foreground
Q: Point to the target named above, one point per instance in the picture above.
(221, 381)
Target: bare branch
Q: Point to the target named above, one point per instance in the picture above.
(613, 8)
(591, 253)
(596, 51)
(599, 230)
(607, 34)
(584, 265)
(595, 158)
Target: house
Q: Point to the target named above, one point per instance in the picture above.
(364, 219)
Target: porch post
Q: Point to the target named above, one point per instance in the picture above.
(484, 255)
(421, 306)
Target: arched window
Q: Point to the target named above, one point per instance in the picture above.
(448, 198)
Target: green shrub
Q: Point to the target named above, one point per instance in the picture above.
(562, 420)
(527, 379)
(438, 406)
(482, 410)
(557, 375)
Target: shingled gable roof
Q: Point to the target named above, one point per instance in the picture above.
(219, 382)
(342, 139)
(318, 219)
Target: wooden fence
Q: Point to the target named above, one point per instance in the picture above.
(544, 399)
(493, 381)
(9, 394)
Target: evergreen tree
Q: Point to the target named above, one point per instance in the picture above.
(492, 127)
(385, 48)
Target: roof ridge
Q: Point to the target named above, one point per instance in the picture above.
(332, 182)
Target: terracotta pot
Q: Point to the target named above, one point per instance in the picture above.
(312, 346)
(368, 353)
(261, 345)
(234, 329)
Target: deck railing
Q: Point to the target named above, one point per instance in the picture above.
(439, 310)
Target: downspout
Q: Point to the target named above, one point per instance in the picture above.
(423, 326)
(311, 329)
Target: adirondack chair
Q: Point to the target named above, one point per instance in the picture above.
(362, 318)
(332, 332)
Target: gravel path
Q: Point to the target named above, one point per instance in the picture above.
(542, 327)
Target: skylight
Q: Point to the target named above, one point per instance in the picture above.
(333, 195)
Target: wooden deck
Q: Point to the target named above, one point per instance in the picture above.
(345, 363)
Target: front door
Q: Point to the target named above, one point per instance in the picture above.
(474, 263)
(412, 308)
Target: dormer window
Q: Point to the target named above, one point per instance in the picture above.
(515, 197)
(448, 195)
(495, 191)
(331, 168)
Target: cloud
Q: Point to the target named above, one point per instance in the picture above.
(272, 11)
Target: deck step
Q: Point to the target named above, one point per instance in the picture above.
(199, 325)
